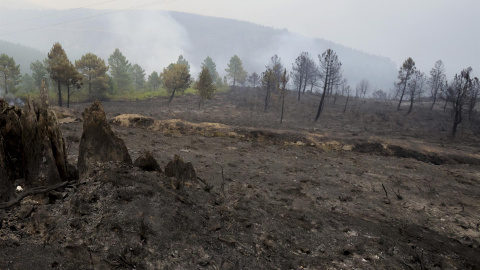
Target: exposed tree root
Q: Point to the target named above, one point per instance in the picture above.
(33, 191)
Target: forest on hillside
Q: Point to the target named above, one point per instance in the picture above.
(153, 39)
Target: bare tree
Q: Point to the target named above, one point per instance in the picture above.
(253, 79)
(404, 75)
(458, 94)
(311, 71)
(436, 80)
(313, 78)
(443, 95)
(330, 70)
(303, 70)
(415, 85)
(362, 88)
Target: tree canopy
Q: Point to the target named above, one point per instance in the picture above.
(181, 60)
(204, 85)
(94, 69)
(175, 78)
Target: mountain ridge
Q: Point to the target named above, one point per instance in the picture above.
(153, 39)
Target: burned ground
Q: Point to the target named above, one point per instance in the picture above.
(290, 196)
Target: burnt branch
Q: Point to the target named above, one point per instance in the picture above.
(33, 191)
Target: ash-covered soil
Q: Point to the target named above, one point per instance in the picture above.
(299, 195)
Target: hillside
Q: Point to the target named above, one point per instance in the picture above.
(23, 55)
(154, 39)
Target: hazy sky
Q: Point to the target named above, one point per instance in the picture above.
(426, 30)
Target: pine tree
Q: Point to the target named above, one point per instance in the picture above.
(458, 94)
(94, 70)
(138, 77)
(269, 83)
(175, 78)
(181, 60)
(405, 74)
(154, 80)
(119, 67)
(39, 72)
(10, 73)
(204, 85)
(235, 71)
(74, 79)
(212, 68)
(330, 72)
(58, 67)
(436, 81)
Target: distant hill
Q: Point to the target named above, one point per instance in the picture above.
(22, 55)
(153, 39)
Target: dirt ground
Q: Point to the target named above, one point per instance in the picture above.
(368, 189)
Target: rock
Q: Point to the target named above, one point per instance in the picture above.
(99, 143)
(180, 170)
(147, 163)
(25, 211)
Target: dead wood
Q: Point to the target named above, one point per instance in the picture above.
(33, 191)
(387, 200)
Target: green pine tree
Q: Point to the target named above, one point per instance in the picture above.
(10, 73)
(204, 85)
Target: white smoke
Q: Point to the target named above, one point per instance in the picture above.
(151, 39)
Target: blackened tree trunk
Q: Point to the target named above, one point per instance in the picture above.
(6, 88)
(456, 120)
(234, 77)
(401, 96)
(68, 96)
(411, 104)
(322, 100)
(433, 102)
(267, 97)
(59, 94)
(283, 106)
(300, 86)
(171, 96)
(346, 103)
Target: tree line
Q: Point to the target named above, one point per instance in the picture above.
(323, 76)
(101, 79)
